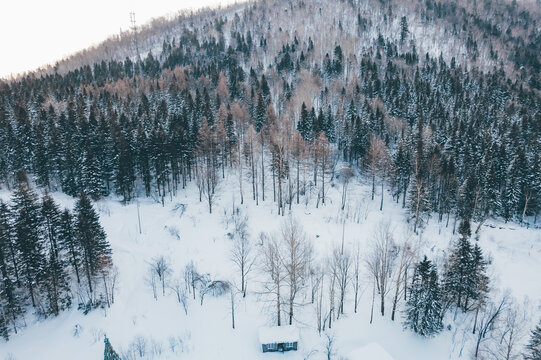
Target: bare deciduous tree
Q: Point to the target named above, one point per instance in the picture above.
(508, 334)
(240, 117)
(489, 319)
(379, 164)
(191, 277)
(139, 345)
(250, 152)
(298, 149)
(180, 288)
(329, 347)
(274, 274)
(356, 272)
(207, 181)
(322, 160)
(317, 277)
(286, 263)
(242, 254)
(295, 256)
(407, 253)
(380, 260)
(340, 265)
(346, 173)
(161, 268)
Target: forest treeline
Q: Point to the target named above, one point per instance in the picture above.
(446, 141)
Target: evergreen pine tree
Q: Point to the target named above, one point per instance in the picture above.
(125, 171)
(10, 301)
(402, 165)
(404, 31)
(92, 175)
(28, 231)
(57, 284)
(96, 252)
(143, 162)
(51, 221)
(304, 126)
(41, 159)
(109, 353)
(69, 243)
(465, 278)
(533, 349)
(260, 111)
(424, 305)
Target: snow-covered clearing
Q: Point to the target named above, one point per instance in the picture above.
(184, 231)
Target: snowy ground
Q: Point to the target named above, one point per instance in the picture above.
(206, 331)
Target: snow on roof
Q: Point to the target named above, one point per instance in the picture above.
(372, 351)
(278, 334)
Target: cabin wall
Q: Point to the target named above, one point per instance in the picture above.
(278, 347)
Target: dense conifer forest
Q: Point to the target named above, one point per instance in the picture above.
(448, 138)
(286, 96)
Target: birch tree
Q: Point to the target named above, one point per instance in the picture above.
(380, 260)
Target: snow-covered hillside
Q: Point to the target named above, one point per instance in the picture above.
(183, 231)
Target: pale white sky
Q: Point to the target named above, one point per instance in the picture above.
(38, 32)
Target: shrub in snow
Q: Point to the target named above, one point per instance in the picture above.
(77, 330)
(176, 345)
(139, 346)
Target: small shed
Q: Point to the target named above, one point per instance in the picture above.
(279, 338)
(372, 351)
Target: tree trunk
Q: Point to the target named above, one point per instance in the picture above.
(373, 298)
(262, 171)
(298, 188)
(381, 205)
(232, 308)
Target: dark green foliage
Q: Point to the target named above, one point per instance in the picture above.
(109, 353)
(10, 300)
(424, 306)
(28, 233)
(533, 348)
(305, 126)
(465, 281)
(96, 252)
(404, 31)
(69, 243)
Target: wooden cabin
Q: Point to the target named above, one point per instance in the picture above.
(279, 338)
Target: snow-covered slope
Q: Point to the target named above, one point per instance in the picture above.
(183, 231)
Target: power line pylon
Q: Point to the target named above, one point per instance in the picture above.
(134, 32)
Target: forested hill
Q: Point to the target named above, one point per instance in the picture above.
(437, 101)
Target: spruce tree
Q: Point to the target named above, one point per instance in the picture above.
(56, 279)
(109, 353)
(69, 242)
(51, 221)
(92, 175)
(10, 301)
(304, 126)
(424, 305)
(41, 160)
(96, 252)
(465, 278)
(57, 286)
(404, 31)
(28, 231)
(402, 165)
(458, 282)
(142, 159)
(125, 170)
(533, 349)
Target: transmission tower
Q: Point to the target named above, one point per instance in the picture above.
(134, 31)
